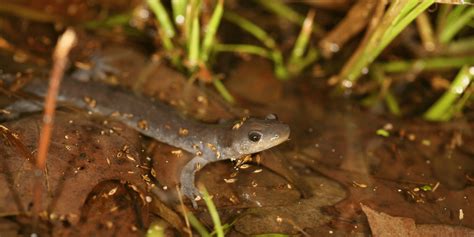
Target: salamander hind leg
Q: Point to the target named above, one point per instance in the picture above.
(188, 173)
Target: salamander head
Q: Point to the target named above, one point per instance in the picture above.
(254, 135)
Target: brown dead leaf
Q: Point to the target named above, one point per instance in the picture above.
(383, 225)
(83, 154)
(296, 217)
(111, 208)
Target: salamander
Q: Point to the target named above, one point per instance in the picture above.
(208, 142)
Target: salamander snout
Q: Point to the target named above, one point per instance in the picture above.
(255, 135)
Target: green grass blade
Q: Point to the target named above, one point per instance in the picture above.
(466, 98)
(405, 10)
(242, 49)
(166, 31)
(114, 20)
(211, 30)
(443, 13)
(392, 104)
(303, 39)
(463, 45)
(223, 91)
(279, 8)
(12, 7)
(425, 64)
(179, 10)
(155, 230)
(192, 11)
(453, 27)
(226, 227)
(198, 226)
(402, 24)
(454, 14)
(162, 16)
(193, 48)
(379, 76)
(384, 33)
(280, 70)
(271, 235)
(441, 109)
(311, 57)
(251, 28)
(275, 55)
(213, 212)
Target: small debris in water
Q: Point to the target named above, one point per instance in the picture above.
(143, 124)
(359, 184)
(177, 153)
(435, 187)
(148, 199)
(112, 191)
(183, 132)
(383, 132)
(91, 103)
(388, 126)
(230, 181)
(257, 171)
(426, 188)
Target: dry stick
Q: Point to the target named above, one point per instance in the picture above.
(65, 43)
(354, 22)
(184, 210)
(426, 32)
(375, 20)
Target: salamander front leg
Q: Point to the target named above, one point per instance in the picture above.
(188, 187)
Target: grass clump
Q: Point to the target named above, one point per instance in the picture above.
(302, 54)
(197, 45)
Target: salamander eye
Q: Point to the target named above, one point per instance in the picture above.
(255, 136)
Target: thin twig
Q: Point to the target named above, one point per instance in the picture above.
(65, 43)
(185, 211)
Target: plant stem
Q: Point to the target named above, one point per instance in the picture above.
(279, 8)
(251, 28)
(464, 45)
(397, 17)
(179, 10)
(441, 110)
(425, 64)
(211, 30)
(392, 104)
(242, 48)
(454, 26)
(303, 38)
(223, 91)
(193, 49)
(426, 32)
(213, 212)
(197, 225)
(162, 16)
